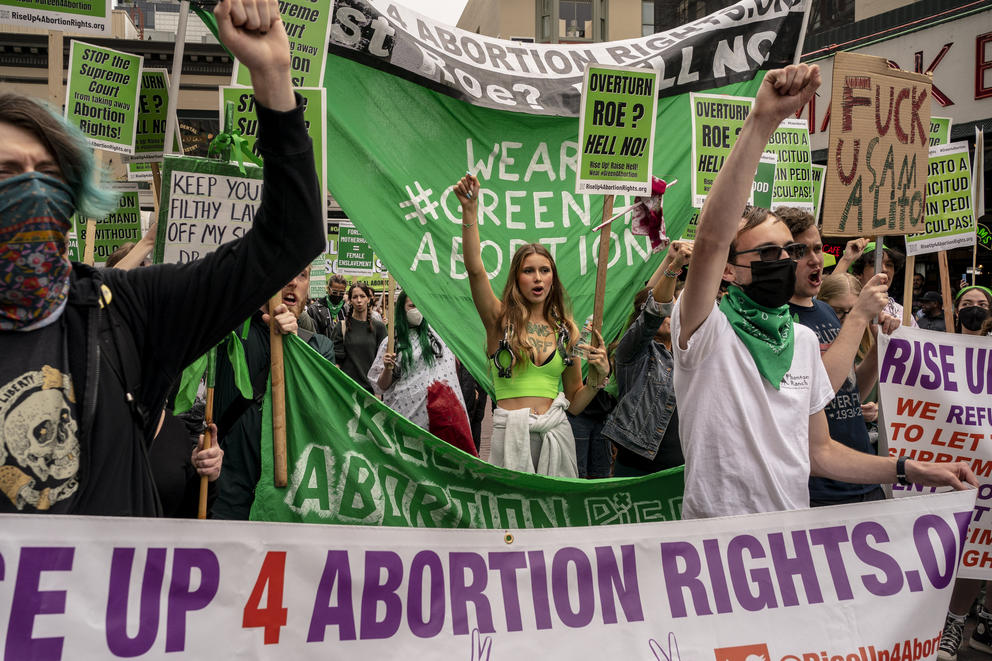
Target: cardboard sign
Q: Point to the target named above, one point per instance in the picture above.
(817, 172)
(940, 130)
(793, 178)
(616, 130)
(120, 226)
(716, 122)
(102, 95)
(205, 203)
(89, 16)
(879, 137)
(308, 27)
(950, 219)
(153, 102)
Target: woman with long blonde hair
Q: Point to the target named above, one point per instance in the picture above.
(530, 338)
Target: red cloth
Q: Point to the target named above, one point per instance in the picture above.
(447, 418)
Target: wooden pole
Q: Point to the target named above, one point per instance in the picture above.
(879, 254)
(907, 287)
(604, 260)
(391, 314)
(279, 465)
(56, 68)
(945, 291)
(208, 418)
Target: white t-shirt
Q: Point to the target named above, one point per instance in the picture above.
(746, 444)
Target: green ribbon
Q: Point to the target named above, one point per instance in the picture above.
(230, 145)
(189, 383)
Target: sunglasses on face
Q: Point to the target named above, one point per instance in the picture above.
(773, 253)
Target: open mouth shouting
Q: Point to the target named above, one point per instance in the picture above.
(815, 278)
(289, 300)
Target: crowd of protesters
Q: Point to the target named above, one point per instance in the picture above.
(790, 349)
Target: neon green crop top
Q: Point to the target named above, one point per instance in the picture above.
(534, 381)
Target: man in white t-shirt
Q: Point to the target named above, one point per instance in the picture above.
(750, 384)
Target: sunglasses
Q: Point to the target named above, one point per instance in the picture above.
(772, 253)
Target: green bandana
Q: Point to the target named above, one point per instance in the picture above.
(334, 308)
(766, 332)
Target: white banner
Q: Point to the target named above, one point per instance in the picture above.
(934, 392)
(868, 582)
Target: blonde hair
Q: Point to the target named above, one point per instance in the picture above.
(836, 285)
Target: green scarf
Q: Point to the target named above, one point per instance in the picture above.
(334, 308)
(766, 332)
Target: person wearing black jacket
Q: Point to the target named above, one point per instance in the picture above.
(87, 357)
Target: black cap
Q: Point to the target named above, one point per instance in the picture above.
(932, 296)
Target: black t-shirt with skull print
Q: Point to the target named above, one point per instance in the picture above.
(39, 444)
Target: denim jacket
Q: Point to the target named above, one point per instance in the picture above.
(644, 376)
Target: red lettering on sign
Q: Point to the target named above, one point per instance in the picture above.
(942, 98)
(982, 64)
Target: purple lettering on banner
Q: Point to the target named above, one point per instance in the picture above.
(507, 563)
(2, 568)
(677, 580)
(610, 584)
(922, 528)
(947, 367)
(875, 558)
(830, 539)
(421, 628)
(464, 590)
(182, 600)
(336, 570)
(930, 381)
(718, 575)
(376, 591)
(539, 589)
(786, 568)
(894, 363)
(561, 592)
(963, 519)
(975, 370)
(742, 579)
(118, 641)
(29, 601)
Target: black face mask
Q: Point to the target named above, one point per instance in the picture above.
(972, 317)
(772, 283)
(335, 298)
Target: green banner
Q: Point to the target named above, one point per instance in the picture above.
(121, 226)
(716, 121)
(308, 27)
(616, 130)
(89, 16)
(153, 102)
(352, 460)
(764, 180)
(395, 184)
(950, 218)
(793, 178)
(940, 130)
(817, 172)
(102, 95)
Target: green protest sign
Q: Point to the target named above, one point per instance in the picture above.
(153, 102)
(950, 218)
(690, 229)
(205, 203)
(318, 277)
(984, 237)
(940, 130)
(817, 171)
(354, 252)
(793, 179)
(352, 460)
(246, 123)
(764, 180)
(74, 251)
(716, 121)
(120, 226)
(616, 130)
(89, 16)
(308, 26)
(101, 95)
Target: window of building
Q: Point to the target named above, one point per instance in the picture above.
(829, 14)
(575, 20)
(647, 17)
(571, 20)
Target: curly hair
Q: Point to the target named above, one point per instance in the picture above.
(557, 306)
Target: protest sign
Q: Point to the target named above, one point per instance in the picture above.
(879, 137)
(764, 180)
(509, 116)
(88, 16)
(153, 102)
(817, 172)
(308, 28)
(984, 236)
(729, 588)
(793, 178)
(318, 277)
(120, 226)
(940, 130)
(616, 130)
(101, 95)
(950, 219)
(716, 122)
(354, 252)
(934, 389)
(205, 203)
(246, 123)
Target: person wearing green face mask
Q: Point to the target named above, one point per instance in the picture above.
(755, 451)
(328, 311)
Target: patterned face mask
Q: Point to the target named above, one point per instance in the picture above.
(34, 273)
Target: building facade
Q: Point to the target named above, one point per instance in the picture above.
(559, 21)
